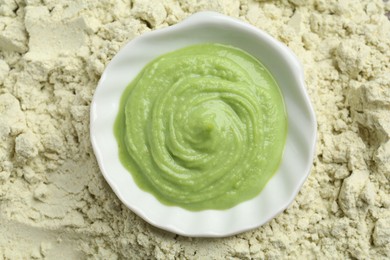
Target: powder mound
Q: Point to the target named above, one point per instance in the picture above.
(26, 145)
(152, 12)
(55, 202)
(351, 190)
(382, 159)
(12, 119)
(50, 37)
(12, 35)
(381, 235)
(8, 8)
(351, 57)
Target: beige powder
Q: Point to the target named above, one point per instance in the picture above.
(54, 202)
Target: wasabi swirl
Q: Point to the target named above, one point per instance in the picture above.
(203, 127)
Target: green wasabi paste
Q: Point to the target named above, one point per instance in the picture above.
(203, 127)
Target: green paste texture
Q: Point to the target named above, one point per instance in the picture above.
(203, 127)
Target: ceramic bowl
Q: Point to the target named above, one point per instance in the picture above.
(300, 144)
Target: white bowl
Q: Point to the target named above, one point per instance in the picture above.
(300, 144)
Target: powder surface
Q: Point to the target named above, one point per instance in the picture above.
(53, 198)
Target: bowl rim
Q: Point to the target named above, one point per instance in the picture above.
(199, 19)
